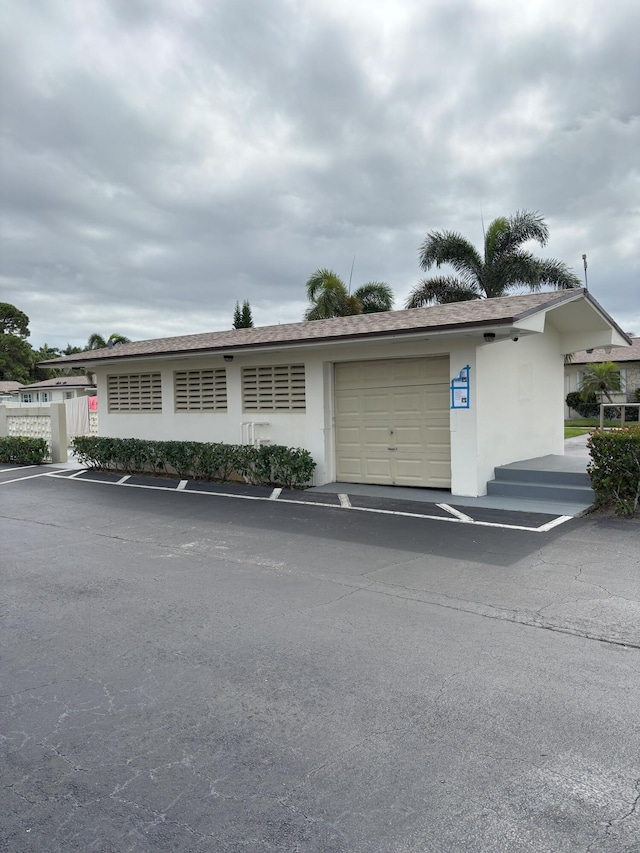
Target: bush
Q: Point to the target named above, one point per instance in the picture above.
(23, 450)
(588, 408)
(615, 469)
(272, 465)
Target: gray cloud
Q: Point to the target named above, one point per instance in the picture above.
(160, 161)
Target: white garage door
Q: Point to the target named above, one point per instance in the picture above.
(392, 422)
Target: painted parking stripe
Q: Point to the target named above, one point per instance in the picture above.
(28, 477)
(182, 485)
(17, 468)
(451, 520)
(275, 494)
(123, 480)
(345, 503)
(466, 518)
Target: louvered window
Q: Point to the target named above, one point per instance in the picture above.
(274, 389)
(135, 392)
(200, 390)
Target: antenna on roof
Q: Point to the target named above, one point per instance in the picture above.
(584, 261)
(351, 273)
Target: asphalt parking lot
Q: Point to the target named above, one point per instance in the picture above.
(189, 671)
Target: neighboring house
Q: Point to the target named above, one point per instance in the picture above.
(369, 396)
(9, 389)
(56, 390)
(628, 360)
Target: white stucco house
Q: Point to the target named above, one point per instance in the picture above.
(369, 396)
(56, 390)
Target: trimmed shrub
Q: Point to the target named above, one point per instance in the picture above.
(585, 408)
(273, 465)
(23, 450)
(615, 468)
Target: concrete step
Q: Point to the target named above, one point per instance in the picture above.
(542, 491)
(515, 474)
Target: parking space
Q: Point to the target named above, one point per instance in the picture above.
(530, 521)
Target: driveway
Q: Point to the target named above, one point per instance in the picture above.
(187, 672)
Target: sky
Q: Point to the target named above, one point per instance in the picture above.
(161, 159)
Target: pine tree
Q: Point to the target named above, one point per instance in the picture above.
(247, 319)
(242, 318)
(237, 317)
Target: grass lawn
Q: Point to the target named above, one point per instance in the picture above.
(581, 426)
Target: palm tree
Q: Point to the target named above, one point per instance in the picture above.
(96, 341)
(505, 263)
(330, 297)
(600, 378)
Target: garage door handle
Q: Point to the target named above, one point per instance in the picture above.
(392, 448)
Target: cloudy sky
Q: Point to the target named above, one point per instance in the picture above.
(163, 158)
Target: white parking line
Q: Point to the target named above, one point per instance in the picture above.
(18, 468)
(347, 504)
(182, 485)
(275, 494)
(30, 477)
(123, 479)
(466, 518)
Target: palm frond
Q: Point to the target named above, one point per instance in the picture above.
(320, 279)
(449, 247)
(440, 290)
(96, 341)
(557, 274)
(374, 296)
(527, 225)
(496, 236)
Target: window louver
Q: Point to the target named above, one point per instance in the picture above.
(137, 392)
(274, 389)
(200, 390)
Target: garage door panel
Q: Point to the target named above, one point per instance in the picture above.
(375, 437)
(378, 468)
(407, 403)
(349, 435)
(348, 404)
(376, 404)
(393, 416)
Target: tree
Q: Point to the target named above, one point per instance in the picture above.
(44, 354)
(13, 321)
(330, 297)
(242, 318)
(503, 266)
(96, 341)
(16, 356)
(600, 378)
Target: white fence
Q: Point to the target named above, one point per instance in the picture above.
(57, 423)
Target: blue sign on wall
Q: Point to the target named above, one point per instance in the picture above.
(460, 389)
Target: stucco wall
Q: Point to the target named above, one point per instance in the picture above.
(520, 401)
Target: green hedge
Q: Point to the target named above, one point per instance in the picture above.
(585, 408)
(23, 450)
(273, 465)
(615, 468)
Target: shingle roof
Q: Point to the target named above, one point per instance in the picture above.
(59, 382)
(631, 353)
(478, 313)
(9, 386)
